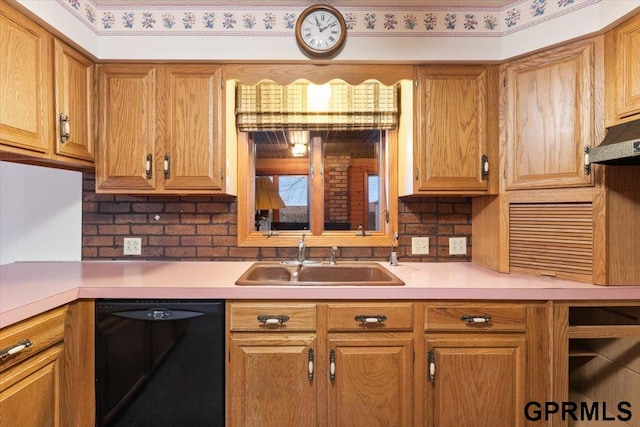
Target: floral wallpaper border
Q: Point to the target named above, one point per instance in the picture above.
(280, 21)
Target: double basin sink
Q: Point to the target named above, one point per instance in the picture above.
(318, 274)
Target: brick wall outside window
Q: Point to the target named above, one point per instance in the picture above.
(205, 227)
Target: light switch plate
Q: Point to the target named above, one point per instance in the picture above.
(420, 246)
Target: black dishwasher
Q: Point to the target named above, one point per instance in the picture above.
(160, 363)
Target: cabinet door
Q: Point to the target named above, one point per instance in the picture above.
(74, 100)
(30, 391)
(25, 83)
(553, 109)
(373, 378)
(269, 381)
(475, 380)
(192, 145)
(127, 122)
(627, 69)
(452, 133)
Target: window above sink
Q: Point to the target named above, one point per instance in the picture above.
(374, 222)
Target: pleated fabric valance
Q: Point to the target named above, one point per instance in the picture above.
(306, 106)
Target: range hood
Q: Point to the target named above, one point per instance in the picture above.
(621, 146)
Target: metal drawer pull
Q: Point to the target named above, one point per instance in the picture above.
(476, 319)
(148, 165)
(431, 360)
(332, 366)
(310, 364)
(64, 128)
(166, 166)
(15, 349)
(268, 319)
(366, 318)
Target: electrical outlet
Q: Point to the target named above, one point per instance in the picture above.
(132, 246)
(457, 245)
(420, 246)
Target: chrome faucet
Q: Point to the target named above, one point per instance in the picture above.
(393, 258)
(332, 259)
(301, 250)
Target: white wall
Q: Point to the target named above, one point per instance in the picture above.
(594, 17)
(40, 214)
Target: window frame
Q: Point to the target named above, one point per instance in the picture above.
(249, 237)
(288, 73)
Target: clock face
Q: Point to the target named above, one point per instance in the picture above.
(320, 30)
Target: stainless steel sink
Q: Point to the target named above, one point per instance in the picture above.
(341, 274)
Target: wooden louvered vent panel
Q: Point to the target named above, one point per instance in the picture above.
(552, 239)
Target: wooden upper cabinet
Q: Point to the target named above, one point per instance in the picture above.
(74, 113)
(160, 129)
(26, 110)
(552, 103)
(127, 123)
(623, 72)
(453, 129)
(192, 144)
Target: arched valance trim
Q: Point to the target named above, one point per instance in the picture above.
(335, 105)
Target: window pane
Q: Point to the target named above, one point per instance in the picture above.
(351, 181)
(294, 192)
(374, 202)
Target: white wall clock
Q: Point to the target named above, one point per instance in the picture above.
(320, 31)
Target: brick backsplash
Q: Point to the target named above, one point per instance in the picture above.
(204, 228)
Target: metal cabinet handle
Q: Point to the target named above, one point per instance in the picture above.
(65, 129)
(14, 349)
(310, 367)
(149, 166)
(476, 319)
(370, 318)
(332, 366)
(167, 166)
(270, 319)
(431, 360)
(485, 167)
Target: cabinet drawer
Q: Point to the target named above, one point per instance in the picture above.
(370, 316)
(36, 333)
(471, 317)
(272, 317)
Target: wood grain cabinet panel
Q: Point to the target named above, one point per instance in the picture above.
(552, 109)
(31, 371)
(454, 132)
(73, 82)
(623, 72)
(127, 122)
(270, 383)
(192, 145)
(26, 89)
(30, 391)
(372, 381)
(475, 380)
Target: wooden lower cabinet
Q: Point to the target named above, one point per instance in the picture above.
(31, 370)
(391, 363)
(30, 391)
(272, 380)
(314, 364)
(372, 381)
(475, 380)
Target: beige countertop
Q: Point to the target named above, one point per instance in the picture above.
(29, 288)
